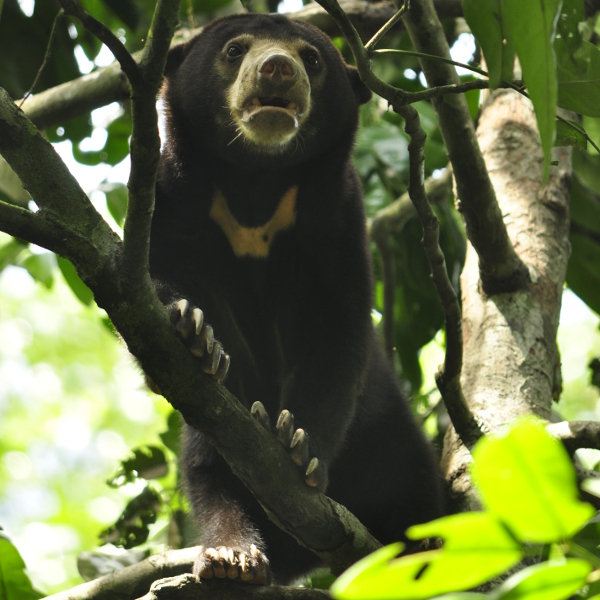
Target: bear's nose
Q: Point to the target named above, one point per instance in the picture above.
(278, 67)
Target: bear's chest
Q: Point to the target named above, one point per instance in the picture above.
(254, 242)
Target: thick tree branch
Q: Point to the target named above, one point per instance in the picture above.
(134, 581)
(576, 434)
(185, 587)
(501, 267)
(145, 141)
(448, 379)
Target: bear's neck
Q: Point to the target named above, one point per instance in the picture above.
(252, 195)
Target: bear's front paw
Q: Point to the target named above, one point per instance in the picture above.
(199, 338)
(233, 563)
(295, 441)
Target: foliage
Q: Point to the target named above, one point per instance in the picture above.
(560, 64)
(528, 488)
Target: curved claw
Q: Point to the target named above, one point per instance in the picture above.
(316, 474)
(260, 414)
(299, 448)
(285, 428)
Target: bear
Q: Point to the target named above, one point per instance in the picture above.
(259, 238)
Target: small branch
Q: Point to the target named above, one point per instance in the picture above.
(106, 36)
(500, 267)
(441, 59)
(576, 434)
(370, 45)
(57, 19)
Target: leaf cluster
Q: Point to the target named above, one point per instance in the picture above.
(532, 511)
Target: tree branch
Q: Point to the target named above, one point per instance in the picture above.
(106, 36)
(185, 587)
(145, 141)
(576, 434)
(134, 581)
(500, 266)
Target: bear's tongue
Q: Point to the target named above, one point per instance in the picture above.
(274, 101)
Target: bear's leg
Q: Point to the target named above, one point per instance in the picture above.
(231, 545)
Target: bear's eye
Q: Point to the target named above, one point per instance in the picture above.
(312, 58)
(234, 51)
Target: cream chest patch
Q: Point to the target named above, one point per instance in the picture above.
(254, 241)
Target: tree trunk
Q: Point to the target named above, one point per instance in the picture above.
(511, 361)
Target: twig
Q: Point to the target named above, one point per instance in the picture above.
(106, 36)
(57, 19)
(370, 45)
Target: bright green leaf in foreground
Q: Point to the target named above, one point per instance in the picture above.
(531, 26)
(483, 18)
(14, 583)
(474, 539)
(526, 479)
(546, 581)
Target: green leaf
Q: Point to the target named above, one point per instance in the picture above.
(148, 462)
(569, 136)
(14, 583)
(132, 527)
(463, 596)
(583, 268)
(41, 267)
(546, 581)
(531, 26)
(356, 581)
(477, 539)
(527, 480)
(116, 147)
(82, 291)
(578, 78)
(171, 438)
(117, 197)
(486, 24)
(476, 548)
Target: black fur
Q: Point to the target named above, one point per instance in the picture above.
(297, 323)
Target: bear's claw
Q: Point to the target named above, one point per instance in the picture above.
(199, 338)
(233, 563)
(296, 442)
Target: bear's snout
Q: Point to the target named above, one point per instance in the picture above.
(279, 68)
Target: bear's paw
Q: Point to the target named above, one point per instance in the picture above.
(199, 338)
(225, 562)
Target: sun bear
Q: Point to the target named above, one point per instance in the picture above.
(259, 231)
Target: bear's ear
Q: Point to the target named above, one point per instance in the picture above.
(361, 91)
(175, 57)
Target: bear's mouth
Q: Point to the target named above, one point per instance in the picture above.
(270, 103)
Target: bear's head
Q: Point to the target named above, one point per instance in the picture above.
(253, 87)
